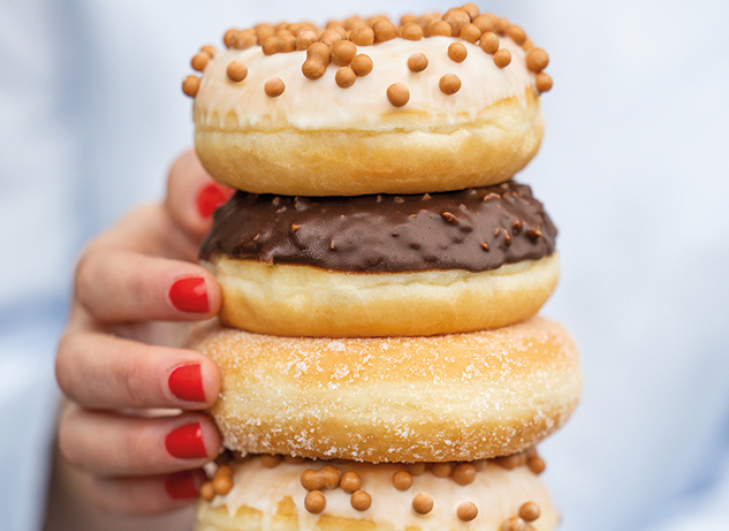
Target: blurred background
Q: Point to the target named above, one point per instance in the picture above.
(632, 169)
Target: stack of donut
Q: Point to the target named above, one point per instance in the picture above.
(382, 364)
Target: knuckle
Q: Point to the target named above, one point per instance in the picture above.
(134, 381)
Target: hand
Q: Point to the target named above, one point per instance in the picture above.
(111, 363)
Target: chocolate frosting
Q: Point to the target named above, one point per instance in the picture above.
(476, 229)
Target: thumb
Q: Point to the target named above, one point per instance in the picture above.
(193, 196)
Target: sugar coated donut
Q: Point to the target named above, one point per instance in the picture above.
(270, 493)
(367, 108)
(382, 265)
(439, 398)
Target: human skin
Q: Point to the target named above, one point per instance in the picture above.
(118, 353)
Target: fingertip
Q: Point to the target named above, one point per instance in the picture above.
(196, 294)
(195, 381)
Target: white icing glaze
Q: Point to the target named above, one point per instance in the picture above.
(321, 104)
(496, 492)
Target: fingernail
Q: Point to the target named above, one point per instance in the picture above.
(190, 295)
(181, 485)
(210, 197)
(186, 442)
(186, 383)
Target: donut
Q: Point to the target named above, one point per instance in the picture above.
(394, 399)
(266, 492)
(357, 110)
(410, 265)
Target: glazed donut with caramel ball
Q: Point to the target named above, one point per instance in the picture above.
(268, 492)
(382, 265)
(388, 399)
(355, 110)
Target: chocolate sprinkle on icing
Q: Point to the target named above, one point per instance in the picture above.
(476, 230)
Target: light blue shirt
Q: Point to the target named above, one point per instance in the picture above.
(632, 169)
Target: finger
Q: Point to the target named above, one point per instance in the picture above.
(192, 196)
(100, 371)
(110, 445)
(119, 285)
(147, 495)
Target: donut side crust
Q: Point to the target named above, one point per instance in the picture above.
(289, 161)
(440, 398)
(297, 300)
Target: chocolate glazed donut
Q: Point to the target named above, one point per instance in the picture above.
(382, 265)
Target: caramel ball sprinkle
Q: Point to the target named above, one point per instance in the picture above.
(330, 37)
(471, 9)
(544, 82)
(242, 40)
(443, 470)
(311, 480)
(363, 37)
(315, 502)
(441, 28)
(361, 65)
(416, 469)
(222, 484)
(345, 77)
(412, 32)
(513, 524)
(274, 87)
(471, 33)
(351, 482)
(270, 461)
(536, 464)
(402, 480)
(501, 26)
(343, 52)
(305, 39)
(510, 462)
(484, 23)
(228, 37)
(502, 58)
(457, 18)
(200, 61)
(417, 62)
(467, 511)
(464, 474)
(529, 511)
(360, 500)
(330, 477)
(423, 503)
(450, 84)
(517, 34)
(489, 42)
(263, 32)
(207, 491)
(224, 470)
(191, 85)
(457, 52)
(237, 71)
(398, 94)
(537, 59)
(384, 30)
(286, 43)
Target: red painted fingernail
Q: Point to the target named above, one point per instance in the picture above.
(190, 295)
(181, 485)
(186, 442)
(186, 383)
(210, 197)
